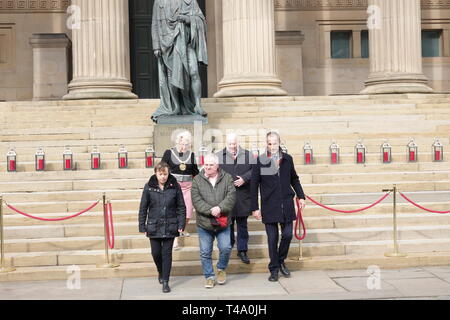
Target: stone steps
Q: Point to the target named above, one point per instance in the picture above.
(145, 269)
(75, 201)
(320, 229)
(333, 240)
(129, 185)
(188, 255)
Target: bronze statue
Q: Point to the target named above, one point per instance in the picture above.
(179, 43)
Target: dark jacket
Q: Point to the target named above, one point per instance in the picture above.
(277, 203)
(242, 167)
(205, 197)
(162, 212)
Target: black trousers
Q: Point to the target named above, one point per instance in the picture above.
(162, 255)
(278, 253)
(242, 233)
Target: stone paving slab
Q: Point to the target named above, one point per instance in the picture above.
(411, 283)
(92, 289)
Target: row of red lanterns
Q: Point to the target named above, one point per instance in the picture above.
(386, 152)
(68, 163)
(122, 155)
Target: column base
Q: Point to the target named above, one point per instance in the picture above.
(414, 84)
(236, 88)
(79, 90)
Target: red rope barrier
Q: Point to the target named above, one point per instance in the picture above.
(351, 211)
(57, 219)
(420, 207)
(299, 218)
(109, 225)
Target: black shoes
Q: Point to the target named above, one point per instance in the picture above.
(160, 278)
(165, 288)
(273, 277)
(284, 270)
(243, 256)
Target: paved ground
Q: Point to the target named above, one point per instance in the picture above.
(412, 283)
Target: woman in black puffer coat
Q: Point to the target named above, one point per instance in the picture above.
(162, 216)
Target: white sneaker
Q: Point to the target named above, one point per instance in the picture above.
(210, 283)
(221, 276)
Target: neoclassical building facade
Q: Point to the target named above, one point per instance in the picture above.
(94, 49)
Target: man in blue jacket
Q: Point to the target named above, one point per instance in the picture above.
(274, 174)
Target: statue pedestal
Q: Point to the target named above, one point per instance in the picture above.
(182, 119)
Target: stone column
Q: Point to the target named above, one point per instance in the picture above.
(395, 49)
(249, 50)
(101, 53)
(51, 68)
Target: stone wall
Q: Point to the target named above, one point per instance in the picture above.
(17, 24)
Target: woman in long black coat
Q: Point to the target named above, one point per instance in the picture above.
(162, 216)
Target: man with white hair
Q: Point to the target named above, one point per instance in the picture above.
(213, 197)
(237, 162)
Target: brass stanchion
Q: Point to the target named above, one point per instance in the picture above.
(3, 269)
(396, 252)
(300, 253)
(107, 263)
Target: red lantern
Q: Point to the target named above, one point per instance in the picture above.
(67, 159)
(308, 153)
(39, 159)
(386, 152)
(11, 160)
(150, 157)
(123, 158)
(438, 151)
(334, 153)
(412, 151)
(360, 151)
(202, 155)
(95, 159)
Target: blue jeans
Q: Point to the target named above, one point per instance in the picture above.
(206, 240)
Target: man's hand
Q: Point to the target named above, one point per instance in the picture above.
(302, 203)
(215, 211)
(239, 182)
(157, 53)
(257, 214)
(184, 18)
(180, 230)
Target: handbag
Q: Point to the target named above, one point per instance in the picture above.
(221, 221)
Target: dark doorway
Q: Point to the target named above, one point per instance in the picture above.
(144, 67)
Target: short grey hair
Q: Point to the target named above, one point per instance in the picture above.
(212, 157)
(232, 136)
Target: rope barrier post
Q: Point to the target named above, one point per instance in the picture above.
(3, 269)
(300, 256)
(300, 253)
(396, 253)
(107, 263)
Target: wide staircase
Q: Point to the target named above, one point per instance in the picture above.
(42, 250)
